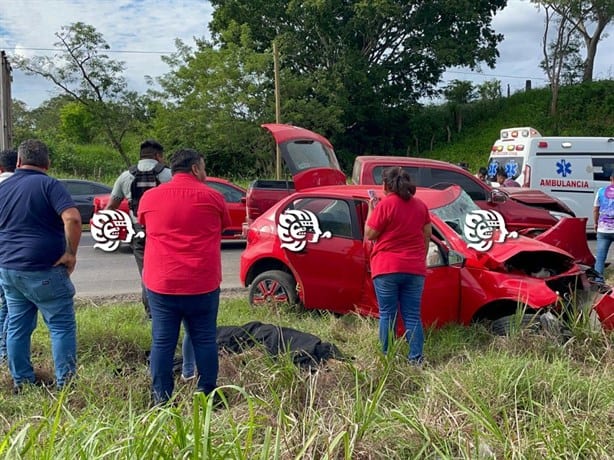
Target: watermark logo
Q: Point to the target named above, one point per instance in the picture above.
(295, 225)
(483, 228)
(111, 227)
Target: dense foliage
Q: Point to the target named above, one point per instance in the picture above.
(354, 70)
(242, 150)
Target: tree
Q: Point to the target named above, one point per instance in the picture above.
(458, 94)
(556, 47)
(76, 123)
(43, 122)
(370, 59)
(82, 70)
(572, 65)
(215, 100)
(490, 90)
(584, 15)
(23, 122)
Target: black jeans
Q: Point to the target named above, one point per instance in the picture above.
(138, 249)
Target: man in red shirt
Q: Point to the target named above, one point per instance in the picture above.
(182, 269)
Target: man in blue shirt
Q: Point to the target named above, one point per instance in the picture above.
(40, 229)
(8, 163)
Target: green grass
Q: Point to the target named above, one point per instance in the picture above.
(481, 396)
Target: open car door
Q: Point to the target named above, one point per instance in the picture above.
(310, 158)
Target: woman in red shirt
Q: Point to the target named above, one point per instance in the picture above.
(400, 224)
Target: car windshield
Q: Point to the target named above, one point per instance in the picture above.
(455, 212)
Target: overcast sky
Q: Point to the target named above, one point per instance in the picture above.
(139, 31)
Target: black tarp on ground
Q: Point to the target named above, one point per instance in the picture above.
(305, 349)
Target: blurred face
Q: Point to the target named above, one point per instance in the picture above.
(500, 178)
(198, 170)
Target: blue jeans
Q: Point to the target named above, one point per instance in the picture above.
(199, 313)
(188, 366)
(50, 292)
(603, 246)
(400, 291)
(4, 320)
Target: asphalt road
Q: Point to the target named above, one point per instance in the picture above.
(106, 274)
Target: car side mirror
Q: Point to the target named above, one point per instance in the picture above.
(243, 200)
(456, 259)
(497, 196)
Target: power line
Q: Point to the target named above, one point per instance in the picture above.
(102, 50)
(495, 75)
(170, 52)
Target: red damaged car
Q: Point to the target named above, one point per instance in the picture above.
(309, 248)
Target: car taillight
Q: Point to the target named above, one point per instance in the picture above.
(527, 176)
(542, 144)
(251, 236)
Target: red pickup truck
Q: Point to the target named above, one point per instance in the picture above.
(524, 210)
(311, 159)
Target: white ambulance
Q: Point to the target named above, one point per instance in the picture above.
(569, 168)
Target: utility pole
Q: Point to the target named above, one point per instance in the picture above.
(277, 108)
(6, 117)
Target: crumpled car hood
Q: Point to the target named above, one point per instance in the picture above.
(528, 256)
(534, 197)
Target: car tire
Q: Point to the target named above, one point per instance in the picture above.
(546, 323)
(273, 287)
(507, 324)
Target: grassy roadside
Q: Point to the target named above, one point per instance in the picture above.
(481, 396)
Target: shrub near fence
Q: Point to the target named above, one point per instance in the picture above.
(93, 162)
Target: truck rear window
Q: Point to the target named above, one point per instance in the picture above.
(378, 173)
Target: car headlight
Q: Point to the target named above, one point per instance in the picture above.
(559, 215)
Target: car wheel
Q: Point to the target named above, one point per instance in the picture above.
(273, 286)
(513, 323)
(546, 323)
